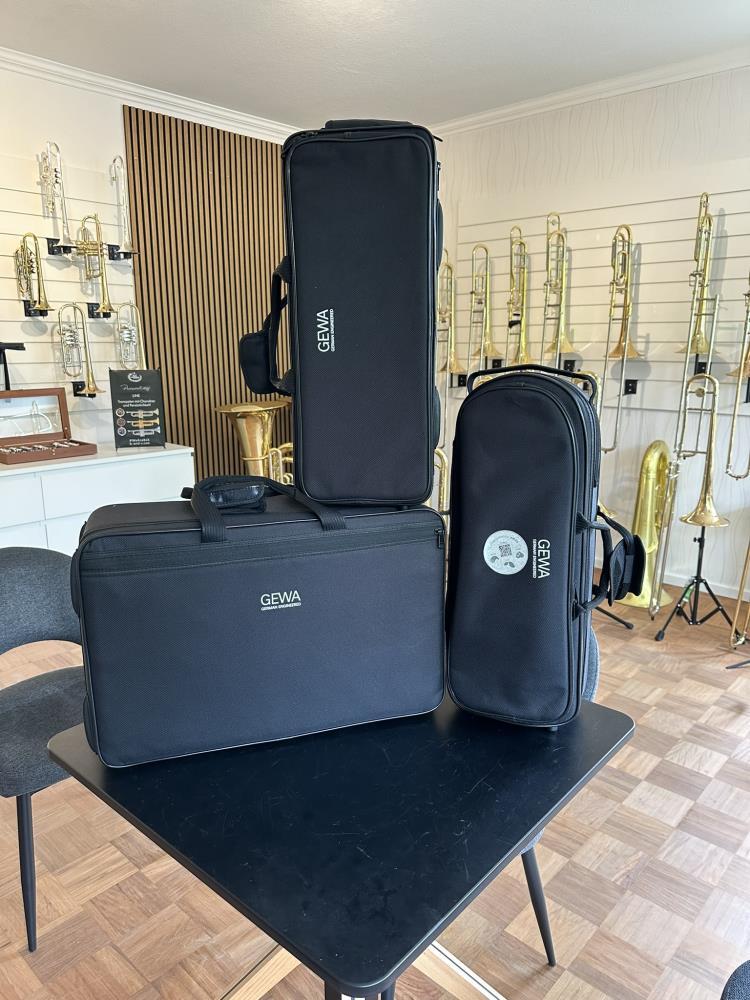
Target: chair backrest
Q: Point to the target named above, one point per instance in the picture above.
(35, 599)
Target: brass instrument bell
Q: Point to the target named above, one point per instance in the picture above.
(519, 278)
(704, 514)
(28, 265)
(649, 507)
(76, 349)
(254, 424)
(92, 248)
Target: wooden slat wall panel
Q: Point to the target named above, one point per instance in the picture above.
(207, 220)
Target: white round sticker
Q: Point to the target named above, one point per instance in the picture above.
(506, 552)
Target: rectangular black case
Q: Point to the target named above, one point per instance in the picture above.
(364, 236)
(253, 625)
(524, 490)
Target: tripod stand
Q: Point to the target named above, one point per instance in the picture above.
(690, 596)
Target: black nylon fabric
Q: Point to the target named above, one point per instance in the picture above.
(283, 629)
(525, 466)
(361, 218)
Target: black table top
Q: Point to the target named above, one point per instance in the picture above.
(354, 849)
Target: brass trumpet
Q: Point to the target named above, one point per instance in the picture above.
(620, 307)
(698, 341)
(129, 334)
(92, 248)
(76, 350)
(125, 249)
(53, 191)
(480, 314)
(29, 276)
(649, 507)
(519, 276)
(741, 373)
(556, 292)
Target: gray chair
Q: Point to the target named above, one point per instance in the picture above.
(530, 866)
(738, 984)
(35, 603)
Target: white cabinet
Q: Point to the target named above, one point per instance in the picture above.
(46, 503)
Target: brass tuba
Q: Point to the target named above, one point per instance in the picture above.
(129, 336)
(92, 248)
(519, 278)
(53, 191)
(480, 314)
(620, 308)
(29, 276)
(649, 507)
(76, 350)
(698, 341)
(555, 292)
(254, 424)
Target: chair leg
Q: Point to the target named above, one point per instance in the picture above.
(389, 994)
(536, 891)
(28, 866)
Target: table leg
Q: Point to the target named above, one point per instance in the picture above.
(536, 891)
(275, 965)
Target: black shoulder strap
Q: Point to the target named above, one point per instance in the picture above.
(258, 350)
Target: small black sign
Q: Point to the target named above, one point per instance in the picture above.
(137, 408)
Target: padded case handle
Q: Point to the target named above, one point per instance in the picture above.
(581, 376)
(210, 496)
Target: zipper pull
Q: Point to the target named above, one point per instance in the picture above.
(440, 538)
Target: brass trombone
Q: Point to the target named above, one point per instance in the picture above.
(620, 308)
(446, 316)
(129, 334)
(125, 249)
(519, 278)
(741, 373)
(704, 514)
(76, 350)
(53, 191)
(29, 276)
(92, 248)
(741, 623)
(556, 292)
(698, 341)
(480, 313)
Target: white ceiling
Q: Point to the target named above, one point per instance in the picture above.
(302, 61)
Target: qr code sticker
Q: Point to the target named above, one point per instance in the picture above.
(506, 551)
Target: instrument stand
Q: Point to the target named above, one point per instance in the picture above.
(6, 346)
(691, 596)
(615, 618)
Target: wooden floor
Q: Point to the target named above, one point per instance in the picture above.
(647, 871)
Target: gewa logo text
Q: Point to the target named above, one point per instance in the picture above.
(326, 331)
(541, 558)
(279, 599)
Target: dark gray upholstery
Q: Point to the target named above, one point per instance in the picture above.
(738, 984)
(35, 597)
(35, 603)
(31, 712)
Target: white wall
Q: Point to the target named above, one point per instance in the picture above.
(642, 159)
(88, 128)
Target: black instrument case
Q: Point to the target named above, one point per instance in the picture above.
(248, 615)
(364, 238)
(524, 488)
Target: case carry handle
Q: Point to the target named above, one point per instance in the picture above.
(210, 496)
(581, 376)
(258, 350)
